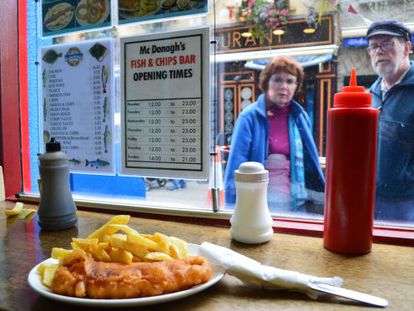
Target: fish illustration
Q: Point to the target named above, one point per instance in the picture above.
(44, 109)
(104, 77)
(51, 56)
(98, 51)
(44, 77)
(75, 161)
(107, 138)
(105, 108)
(97, 163)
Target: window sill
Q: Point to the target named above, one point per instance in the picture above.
(388, 234)
(381, 234)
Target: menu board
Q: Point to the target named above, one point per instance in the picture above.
(165, 104)
(77, 102)
(130, 11)
(64, 16)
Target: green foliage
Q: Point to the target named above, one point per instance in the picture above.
(263, 16)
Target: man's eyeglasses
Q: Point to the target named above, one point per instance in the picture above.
(279, 81)
(386, 46)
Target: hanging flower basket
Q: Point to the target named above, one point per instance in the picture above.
(264, 16)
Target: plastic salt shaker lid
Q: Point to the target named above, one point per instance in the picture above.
(252, 172)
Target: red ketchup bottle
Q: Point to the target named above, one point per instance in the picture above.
(351, 154)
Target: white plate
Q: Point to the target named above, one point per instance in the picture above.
(64, 20)
(36, 283)
(137, 14)
(84, 22)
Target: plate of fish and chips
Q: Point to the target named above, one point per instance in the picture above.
(138, 8)
(91, 12)
(116, 251)
(59, 16)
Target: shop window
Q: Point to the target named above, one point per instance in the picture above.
(234, 87)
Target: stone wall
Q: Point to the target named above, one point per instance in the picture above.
(353, 57)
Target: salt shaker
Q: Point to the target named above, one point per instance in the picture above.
(57, 211)
(251, 222)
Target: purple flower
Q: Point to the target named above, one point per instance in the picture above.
(250, 4)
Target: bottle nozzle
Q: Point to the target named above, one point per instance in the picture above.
(352, 95)
(353, 85)
(353, 78)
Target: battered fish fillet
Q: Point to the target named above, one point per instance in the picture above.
(82, 276)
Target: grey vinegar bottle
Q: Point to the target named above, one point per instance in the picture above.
(57, 211)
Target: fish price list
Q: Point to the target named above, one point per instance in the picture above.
(164, 133)
(98, 133)
(76, 96)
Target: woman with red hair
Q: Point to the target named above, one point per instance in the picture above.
(275, 131)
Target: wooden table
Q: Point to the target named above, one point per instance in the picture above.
(387, 272)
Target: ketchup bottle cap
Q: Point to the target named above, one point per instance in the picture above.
(353, 96)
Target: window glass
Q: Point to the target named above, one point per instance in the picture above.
(292, 151)
(150, 190)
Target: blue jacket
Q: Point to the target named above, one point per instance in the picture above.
(395, 162)
(250, 142)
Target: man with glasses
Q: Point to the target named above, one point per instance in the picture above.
(389, 45)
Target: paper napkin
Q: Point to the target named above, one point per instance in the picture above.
(253, 273)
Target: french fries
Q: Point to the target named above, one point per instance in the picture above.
(104, 230)
(158, 256)
(47, 272)
(19, 211)
(58, 253)
(120, 255)
(18, 207)
(115, 241)
(27, 212)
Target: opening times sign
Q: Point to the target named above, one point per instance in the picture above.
(165, 104)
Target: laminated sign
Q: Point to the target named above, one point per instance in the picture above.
(165, 104)
(77, 102)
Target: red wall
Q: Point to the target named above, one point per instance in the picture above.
(10, 144)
